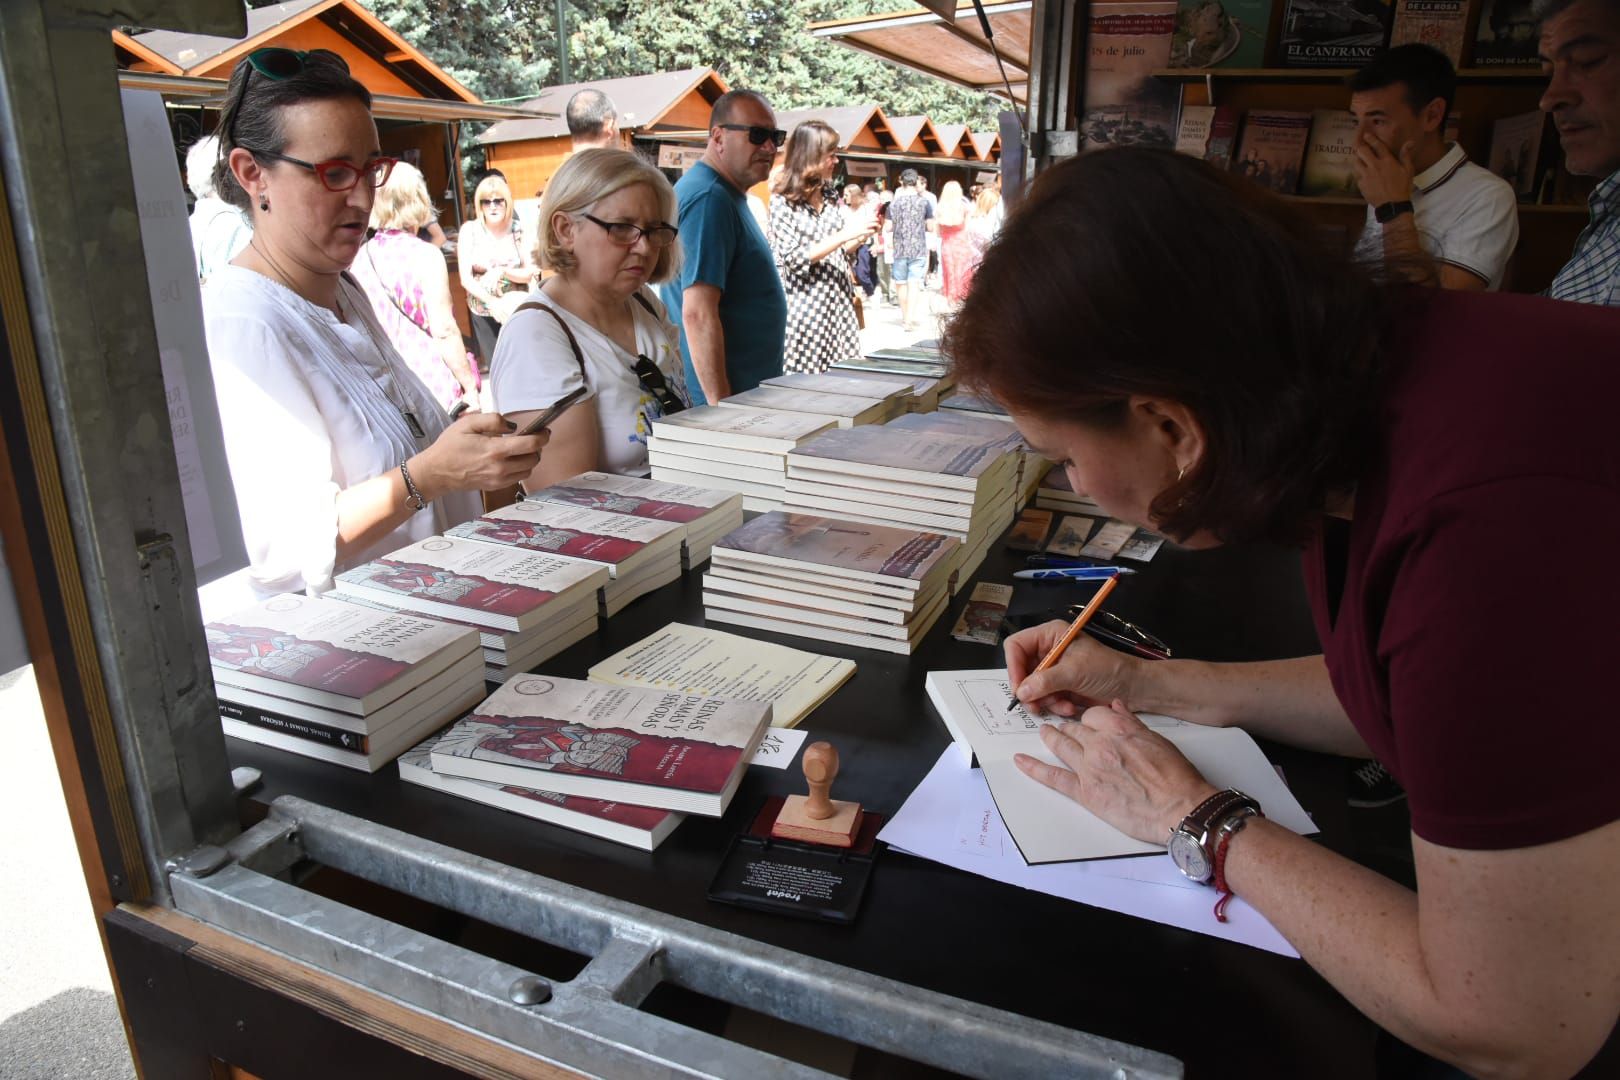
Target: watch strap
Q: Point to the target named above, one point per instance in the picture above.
(1388, 212)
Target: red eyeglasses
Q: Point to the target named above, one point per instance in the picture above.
(338, 175)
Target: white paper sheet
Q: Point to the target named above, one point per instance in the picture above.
(951, 819)
(779, 747)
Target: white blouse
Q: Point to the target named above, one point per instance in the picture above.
(312, 405)
(534, 367)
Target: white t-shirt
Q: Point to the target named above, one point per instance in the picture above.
(1466, 216)
(534, 367)
(310, 406)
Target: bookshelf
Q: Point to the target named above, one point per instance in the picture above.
(1485, 94)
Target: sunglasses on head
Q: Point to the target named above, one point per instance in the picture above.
(278, 65)
(653, 382)
(759, 136)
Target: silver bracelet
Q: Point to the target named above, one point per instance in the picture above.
(413, 497)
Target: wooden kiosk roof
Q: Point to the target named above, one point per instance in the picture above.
(385, 62)
(666, 99)
(859, 127)
(917, 135)
(956, 52)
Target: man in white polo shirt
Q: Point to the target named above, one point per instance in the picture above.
(1425, 200)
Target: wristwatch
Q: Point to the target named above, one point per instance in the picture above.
(1389, 211)
(1192, 843)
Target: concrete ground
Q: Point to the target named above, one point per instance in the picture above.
(883, 329)
(58, 1016)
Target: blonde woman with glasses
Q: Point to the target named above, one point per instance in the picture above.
(605, 229)
(493, 261)
(409, 287)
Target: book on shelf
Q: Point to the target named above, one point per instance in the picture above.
(1125, 104)
(311, 651)
(657, 748)
(1442, 25)
(1507, 33)
(1332, 33)
(758, 430)
(1208, 132)
(489, 585)
(1330, 155)
(641, 827)
(1522, 152)
(1221, 33)
(1273, 148)
(1049, 827)
(845, 409)
(713, 663)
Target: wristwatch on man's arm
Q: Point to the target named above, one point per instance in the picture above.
(1388, 212)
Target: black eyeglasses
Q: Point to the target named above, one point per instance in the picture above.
(759, 136)
(338, 175)
(653, 382)
(660, 235)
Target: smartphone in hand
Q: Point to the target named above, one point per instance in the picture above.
(549, 416)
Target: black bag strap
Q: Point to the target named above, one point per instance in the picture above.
(573, 342)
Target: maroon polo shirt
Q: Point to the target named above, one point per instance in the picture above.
(1470, 611)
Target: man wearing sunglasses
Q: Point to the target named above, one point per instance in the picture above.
(728, 300)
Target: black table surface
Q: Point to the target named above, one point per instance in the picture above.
(1223, 1008)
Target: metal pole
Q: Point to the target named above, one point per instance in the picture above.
(562, 43)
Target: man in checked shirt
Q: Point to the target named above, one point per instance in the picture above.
(1580, 52)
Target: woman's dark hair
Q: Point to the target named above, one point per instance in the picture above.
(1147, 272)
(252, 119)
(807, 148)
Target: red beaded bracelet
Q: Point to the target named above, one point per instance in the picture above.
(1229, 828)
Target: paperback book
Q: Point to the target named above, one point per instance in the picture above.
(845, 409)
(743, 429)
(1330, 155)
(1125, 104)
(1507, 33)
(1273, 149)
(658, 748)
(908, 559)
(1221, 33)
(1442, 25)
(619, 542)
(489, 585)
(641, 827)
(1520, 152)
(1333, 33)
(332, 655)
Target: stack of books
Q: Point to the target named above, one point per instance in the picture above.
(741, 450)
(924, 390)
(962, 486)
(338, 682)
(641, 827)
(990, 428)
(661, 749)
(706, 512)
(639, 554)
(847, 410)
(961, 399)
(1056, 493)
(895, 391)
(858, 584)
(902, 361)
(527, 607)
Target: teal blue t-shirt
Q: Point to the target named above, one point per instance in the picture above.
(721, 245)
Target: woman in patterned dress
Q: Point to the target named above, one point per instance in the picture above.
(812, 243)
(409, 288)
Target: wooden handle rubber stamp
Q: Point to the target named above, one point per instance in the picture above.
(816, 818)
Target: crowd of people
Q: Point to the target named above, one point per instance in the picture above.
(1396, 430)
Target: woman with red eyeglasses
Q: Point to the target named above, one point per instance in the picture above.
(338, 453)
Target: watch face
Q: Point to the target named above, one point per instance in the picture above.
(1188, 855)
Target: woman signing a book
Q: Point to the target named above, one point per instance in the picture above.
(338, 453)
(1400, 435)
(605, 229)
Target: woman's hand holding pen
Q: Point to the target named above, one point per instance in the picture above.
(476, 453)
(1087, 674)
(1121, 770)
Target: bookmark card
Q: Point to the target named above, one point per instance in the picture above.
(980, 621)
(1070, 536)
(1030, 531)
(1109, 539)
(779, 747)
(1142, 546)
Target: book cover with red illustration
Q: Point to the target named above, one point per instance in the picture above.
(638, 497)
(657, 748)
(644, 827)
(616, 540)
(487, 584)
(307, 648)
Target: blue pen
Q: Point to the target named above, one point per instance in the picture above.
(1074, 573)
(1046, 561)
